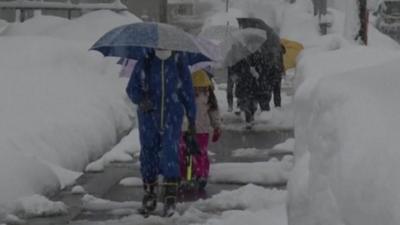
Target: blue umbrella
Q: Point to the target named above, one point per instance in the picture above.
(136, 40)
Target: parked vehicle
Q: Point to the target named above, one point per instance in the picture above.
(388, 18)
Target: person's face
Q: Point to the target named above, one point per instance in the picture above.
(201, 91)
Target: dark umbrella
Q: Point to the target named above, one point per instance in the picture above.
(272, 45)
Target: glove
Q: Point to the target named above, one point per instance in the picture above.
(216, 135)
(146, 105)
(191, 144)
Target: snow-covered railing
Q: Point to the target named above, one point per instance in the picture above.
(24, 5)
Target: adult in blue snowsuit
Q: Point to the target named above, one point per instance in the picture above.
(162, 88)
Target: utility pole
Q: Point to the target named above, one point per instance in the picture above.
(320, 10)
(227, 5)
(363, 15)
(163, 11)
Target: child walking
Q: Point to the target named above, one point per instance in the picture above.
(207, 120)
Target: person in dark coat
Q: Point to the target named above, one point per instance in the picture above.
(162, 88)
(246, 86)
(232, 77)
(270, 67)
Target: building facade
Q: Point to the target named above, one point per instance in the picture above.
(147, 10)
(10, 15)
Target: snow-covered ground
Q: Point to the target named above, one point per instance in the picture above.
(247, 205)
(61, 105)
(276, 119)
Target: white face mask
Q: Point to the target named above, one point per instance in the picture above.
(163, 54)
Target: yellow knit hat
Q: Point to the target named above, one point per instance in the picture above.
(200, 79)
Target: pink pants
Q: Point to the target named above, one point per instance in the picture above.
(201, 164)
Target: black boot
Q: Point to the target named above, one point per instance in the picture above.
(169, 198)
(149, 201)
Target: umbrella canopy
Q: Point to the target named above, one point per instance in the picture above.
(293, 49)
(242, 43)
(134, 41)
(272, 46)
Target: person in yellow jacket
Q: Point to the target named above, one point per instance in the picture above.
(293, 49)
(207, 120)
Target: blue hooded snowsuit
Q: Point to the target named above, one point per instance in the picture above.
(168, 86)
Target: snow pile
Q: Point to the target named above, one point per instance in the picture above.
(122, 152)
(87, 28)
(266, 173)
(352, 21)
(131, 181)
(61, 106)
(90, 202)
(248, 152)
(250, 197)
(3, 25)
(56, 101)
(346, 139)
(37, 205)
(38, 25)
(78, 190)
(90, 27)
(288, 145)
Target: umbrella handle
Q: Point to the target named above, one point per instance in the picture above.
(189, 169)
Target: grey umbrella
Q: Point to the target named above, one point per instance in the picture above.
(240, 44)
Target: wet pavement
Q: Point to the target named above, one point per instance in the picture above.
(106, 185)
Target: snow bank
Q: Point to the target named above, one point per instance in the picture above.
(288, 145)
(90, 202)
(266, 173)
(3, 25)
(242, 152)
(87, 28)
(61, 106)
(346, 139)
(122, 152)
(132, 181)
(38, 25)
(314, 67)
(37, 205)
